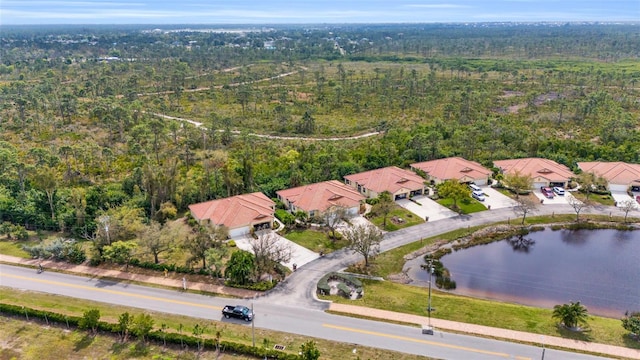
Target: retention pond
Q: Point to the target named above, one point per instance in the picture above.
(599, 268)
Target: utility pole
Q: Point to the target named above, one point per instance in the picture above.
(429, 329)
(429, 305)
(253, 328)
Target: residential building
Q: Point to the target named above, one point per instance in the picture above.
(620, 175)
(400, 183)
(239, 213)
(543, 172)
(319, 197)
(456, 168)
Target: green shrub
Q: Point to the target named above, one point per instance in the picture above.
(344, 287)
(231, 243)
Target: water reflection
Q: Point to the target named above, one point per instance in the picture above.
(521, 243)
(600, 268)
(573, 237)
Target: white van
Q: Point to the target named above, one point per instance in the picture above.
(474, 187)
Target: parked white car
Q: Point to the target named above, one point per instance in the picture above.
(558, 190)
(478, 195)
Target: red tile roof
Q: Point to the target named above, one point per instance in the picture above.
(536, 167)
(321, 196)
(236, 211)
(614, 172)
(391, 179)
(455, 168)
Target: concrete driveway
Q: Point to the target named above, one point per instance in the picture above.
(427, 207)
(620, 197)
(354, 221)
(557, 200)
(496, 199)
(300, 255)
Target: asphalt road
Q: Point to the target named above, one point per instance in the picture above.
(279, 316)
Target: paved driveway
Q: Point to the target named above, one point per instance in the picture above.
(620, 197)
(300, 255)
(557, 200)
(426, 208)
(496, 199)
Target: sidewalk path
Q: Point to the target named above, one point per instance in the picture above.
(440, 324)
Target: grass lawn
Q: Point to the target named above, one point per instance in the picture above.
(33, 340)
(315, 240)
(39, 344)
(467, 206)
(599, 199)
(410, 219)
(14, 248)
(411, 299)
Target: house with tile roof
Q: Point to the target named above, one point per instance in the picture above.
(399, 182)
(543, 172)
(620, 175)
(315, 199)
(456, 168)
(239, 213)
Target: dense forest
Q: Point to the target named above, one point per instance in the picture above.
(88, 128)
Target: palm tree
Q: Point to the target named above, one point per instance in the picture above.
(571, 314)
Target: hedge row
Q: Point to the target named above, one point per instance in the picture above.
(323, 286)
(157, 336)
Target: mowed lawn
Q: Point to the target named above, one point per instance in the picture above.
(408, 219)
(392, 296)
(467, 206)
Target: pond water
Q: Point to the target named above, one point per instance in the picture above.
(599, 268)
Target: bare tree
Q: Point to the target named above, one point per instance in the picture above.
(577, 205)
(333, 216)
(525, 207)
(364, 239)
(626, 206)
(267, 249)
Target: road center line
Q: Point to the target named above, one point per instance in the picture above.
(115, 292)
(433, 343)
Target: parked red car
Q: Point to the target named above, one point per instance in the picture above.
(547, 192)
(638, 199)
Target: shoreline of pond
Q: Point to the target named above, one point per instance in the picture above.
(413, 266)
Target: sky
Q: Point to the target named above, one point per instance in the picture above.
(13, 12)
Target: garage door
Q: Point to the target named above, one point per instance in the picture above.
(618, 188)
(538, 185)
(480, 182)
(239, 232)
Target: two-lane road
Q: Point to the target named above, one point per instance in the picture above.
(275, 316)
